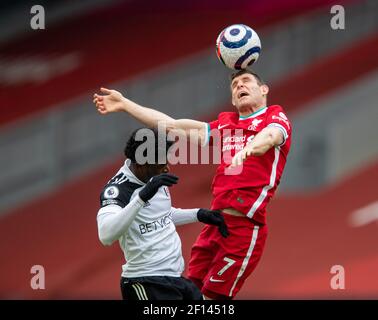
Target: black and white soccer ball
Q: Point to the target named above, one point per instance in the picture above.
(238, 46)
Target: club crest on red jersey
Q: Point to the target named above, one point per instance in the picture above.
(254, 124)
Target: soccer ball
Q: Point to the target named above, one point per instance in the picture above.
(238, 46)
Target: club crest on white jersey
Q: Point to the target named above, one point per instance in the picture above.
(111, 192)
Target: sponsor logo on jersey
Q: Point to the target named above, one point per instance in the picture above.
(234, 142)
(108, 202)
(254, 124)
(236, 139)
(222, 126)
(156, 225)
(282, 115)
(111, 192)
(281, 119)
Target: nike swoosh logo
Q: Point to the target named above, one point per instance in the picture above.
(215, 280)
(222, 126)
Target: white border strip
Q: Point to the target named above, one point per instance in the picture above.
(283, 130)
(247, 257)
(265, 190)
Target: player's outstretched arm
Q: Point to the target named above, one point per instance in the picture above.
(113, 101)
(267, 138)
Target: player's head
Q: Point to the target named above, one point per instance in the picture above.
(147, 150)
(248, 90)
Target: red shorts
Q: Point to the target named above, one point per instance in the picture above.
(241, 200)
(219, 266)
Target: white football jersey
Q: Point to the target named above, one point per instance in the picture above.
(151, 244)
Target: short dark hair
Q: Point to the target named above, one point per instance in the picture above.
(259, 80)
(161, 142)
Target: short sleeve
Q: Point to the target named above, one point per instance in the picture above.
(277, 118)
(208, 127)
(213, 125)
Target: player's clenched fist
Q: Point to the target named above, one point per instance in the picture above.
(152, 186)
(240, 156)
(215, 218)
(110, 101)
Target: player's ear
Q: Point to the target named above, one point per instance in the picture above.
(232, 101)
(264, 89)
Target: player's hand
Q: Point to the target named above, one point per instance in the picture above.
(240, 156)
(110, 101)
(215, 218)
(152, 186)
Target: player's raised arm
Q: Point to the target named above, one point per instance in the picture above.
(113, 101)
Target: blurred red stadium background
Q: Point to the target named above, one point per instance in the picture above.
(57, 153)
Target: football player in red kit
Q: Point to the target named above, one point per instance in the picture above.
(255, 142)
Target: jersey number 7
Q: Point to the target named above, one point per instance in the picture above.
(230, 262)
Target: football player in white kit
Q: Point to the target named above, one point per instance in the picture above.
(136, 210)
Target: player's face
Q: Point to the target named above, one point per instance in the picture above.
(151, 170)
(247, 93)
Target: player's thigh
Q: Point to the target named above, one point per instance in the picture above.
(235, 260)
(203, 252)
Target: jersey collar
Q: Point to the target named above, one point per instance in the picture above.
(254, 114)
(129, 173)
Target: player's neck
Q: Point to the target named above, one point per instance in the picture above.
(136, 170)
(250, 110)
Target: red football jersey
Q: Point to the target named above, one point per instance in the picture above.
(248, 188)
